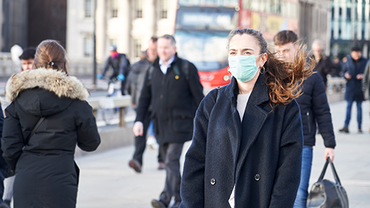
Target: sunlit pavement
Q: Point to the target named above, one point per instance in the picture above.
(107, 181)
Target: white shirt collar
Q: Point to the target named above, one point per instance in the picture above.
(163, 66)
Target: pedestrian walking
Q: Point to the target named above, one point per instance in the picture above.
(353, 71)
(47, 118)
(337, 68)
(247, 143)
(120, 66)
(323, 64)
(27, 60)
(173, 90)
(135, 82)
(366, 83)
(3, 166)
(314, 109)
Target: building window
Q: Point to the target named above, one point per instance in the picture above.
(137, 47)
(139, 9)
(114, 6)
(88, 46)
(163, 9)
(87, 8)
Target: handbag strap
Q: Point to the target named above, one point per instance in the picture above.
(324, 170)
(34, 129)
(335, 174)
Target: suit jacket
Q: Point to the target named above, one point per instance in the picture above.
(173, 99)
(261, 155)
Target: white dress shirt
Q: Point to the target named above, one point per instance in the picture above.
(163, 66)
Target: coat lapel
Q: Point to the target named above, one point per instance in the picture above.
(231, 91)
(253, 120)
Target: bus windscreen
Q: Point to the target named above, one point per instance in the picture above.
(206, 49)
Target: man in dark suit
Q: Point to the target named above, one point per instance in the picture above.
(173, 90)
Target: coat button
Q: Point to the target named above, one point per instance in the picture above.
(213, 181)
(257, 177)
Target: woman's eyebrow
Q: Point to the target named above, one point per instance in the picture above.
(248, 49)
(233, 49)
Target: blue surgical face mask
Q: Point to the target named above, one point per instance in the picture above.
(243, 68)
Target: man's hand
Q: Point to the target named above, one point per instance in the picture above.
(329, 152)
(347, 75)
(138, 128)
(359, 76)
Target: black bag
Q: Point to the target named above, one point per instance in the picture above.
(327, 194)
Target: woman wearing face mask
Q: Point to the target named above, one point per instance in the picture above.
(247, 141)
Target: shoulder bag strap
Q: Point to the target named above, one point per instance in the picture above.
(34, 129)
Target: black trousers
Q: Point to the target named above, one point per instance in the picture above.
(140, 143)
(172, 153)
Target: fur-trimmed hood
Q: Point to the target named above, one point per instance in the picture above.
(48, 79)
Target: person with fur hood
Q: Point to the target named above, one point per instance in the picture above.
(48, 116)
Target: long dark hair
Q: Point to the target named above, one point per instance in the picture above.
(283, 79)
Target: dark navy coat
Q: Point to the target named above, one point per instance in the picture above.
(354, 86)
(261, 155)
(315, 108)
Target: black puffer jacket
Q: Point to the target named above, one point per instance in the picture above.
(315, 109)
(46, 175)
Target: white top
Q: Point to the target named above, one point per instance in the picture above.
(163, 66)
(241, 104)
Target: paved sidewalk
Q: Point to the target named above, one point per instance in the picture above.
(107, 181)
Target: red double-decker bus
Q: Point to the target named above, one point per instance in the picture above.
(201, 32)
(202, 28)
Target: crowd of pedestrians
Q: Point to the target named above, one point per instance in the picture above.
(252, 140)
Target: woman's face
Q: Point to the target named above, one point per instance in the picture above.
(246, 45)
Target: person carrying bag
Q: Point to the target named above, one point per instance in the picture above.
(327, 194)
